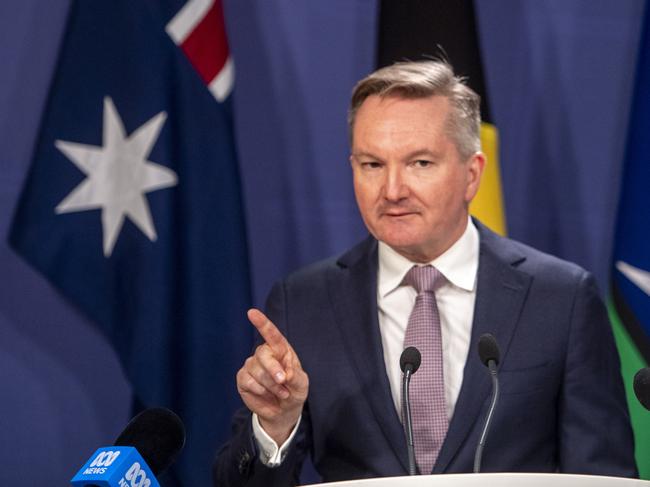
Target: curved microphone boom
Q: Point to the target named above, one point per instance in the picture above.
(642, 387)
(409, 362)
(488, 351)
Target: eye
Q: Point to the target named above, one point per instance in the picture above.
(422, 163)
(371, 165)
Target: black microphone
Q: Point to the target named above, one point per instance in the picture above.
(148, 445)
(409, 362)
(642, 387)
(159, 436)
(488, 351)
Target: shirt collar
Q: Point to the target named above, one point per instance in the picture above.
(459, 263)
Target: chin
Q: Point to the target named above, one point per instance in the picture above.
(400, 243)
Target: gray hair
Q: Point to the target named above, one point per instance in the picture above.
(422, 79)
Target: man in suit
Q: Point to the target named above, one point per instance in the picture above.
(325, 379)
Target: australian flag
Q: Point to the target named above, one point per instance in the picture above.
(132, 207)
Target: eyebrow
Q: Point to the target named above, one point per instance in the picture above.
(423, 153)
(364, 154)
(410, 156)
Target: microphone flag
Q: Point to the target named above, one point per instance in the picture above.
(115, 466)
(132, 207)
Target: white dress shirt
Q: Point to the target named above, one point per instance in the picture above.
(395, 301)
(455, 299)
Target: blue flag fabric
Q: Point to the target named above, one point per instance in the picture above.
(630, 289)
(631, 276)
(132, 209)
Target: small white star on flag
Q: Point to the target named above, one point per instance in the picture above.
(118, 175)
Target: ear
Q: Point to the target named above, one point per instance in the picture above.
(475, 167)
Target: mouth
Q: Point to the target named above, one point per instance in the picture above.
(398, 214)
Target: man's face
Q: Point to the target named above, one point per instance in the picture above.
(411, 186)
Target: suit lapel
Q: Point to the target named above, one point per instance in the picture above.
(353, 292)
(501, 292)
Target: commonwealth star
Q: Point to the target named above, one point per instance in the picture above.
(118, 176)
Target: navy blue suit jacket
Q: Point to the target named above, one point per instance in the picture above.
(562, 405)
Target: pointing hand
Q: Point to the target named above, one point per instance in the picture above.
(272, 382)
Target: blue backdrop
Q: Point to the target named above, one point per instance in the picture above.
(559, 75)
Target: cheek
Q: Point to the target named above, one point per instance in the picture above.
(365, 193)
(441, 196)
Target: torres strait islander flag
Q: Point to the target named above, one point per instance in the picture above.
(132, 206)
(441, 28)
(629, 303)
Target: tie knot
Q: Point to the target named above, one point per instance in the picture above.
(423, 278)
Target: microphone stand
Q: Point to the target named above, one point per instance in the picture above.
(495, 396)
(406, 419)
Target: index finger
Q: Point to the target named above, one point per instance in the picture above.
(269, 331)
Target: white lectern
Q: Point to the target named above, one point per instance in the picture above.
(493, 480)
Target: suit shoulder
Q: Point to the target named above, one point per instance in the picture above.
(319, 269)
(316, 273)
(537, 262)
(531, 261)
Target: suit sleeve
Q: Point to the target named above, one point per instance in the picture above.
(237, 463)
(594, 428)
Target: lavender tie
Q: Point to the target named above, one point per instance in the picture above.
(428, 408)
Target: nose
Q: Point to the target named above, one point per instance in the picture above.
(395, 188)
